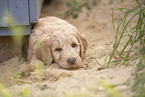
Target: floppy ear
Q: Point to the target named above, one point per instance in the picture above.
(43, 51)
(83, 44)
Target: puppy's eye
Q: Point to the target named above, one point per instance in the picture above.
(58, 49)
(73, 45)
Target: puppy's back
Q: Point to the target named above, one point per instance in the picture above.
(51, 24)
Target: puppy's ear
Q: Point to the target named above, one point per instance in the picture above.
(83, 43)
(43, 51)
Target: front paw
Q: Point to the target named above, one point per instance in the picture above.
(36, 65)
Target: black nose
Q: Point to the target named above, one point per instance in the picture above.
(71, 61)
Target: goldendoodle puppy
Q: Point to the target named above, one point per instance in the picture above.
(55, 40)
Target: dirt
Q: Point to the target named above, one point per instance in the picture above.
(96, 26)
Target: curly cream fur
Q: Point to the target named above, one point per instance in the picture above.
(51, 33)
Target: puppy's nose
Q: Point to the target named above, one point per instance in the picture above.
(71, 61)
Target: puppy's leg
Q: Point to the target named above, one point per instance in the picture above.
(37, 67)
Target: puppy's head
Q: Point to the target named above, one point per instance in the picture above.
(66, 48)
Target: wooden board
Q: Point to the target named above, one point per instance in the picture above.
(5, 31)
(4, 21)
(19, 11)
(35, 7)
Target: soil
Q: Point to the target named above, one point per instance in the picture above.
(96, 26)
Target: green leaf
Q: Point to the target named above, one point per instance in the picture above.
(121, 1)
(140, 66)
(4, 91)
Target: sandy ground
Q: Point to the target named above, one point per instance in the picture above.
(96, 25)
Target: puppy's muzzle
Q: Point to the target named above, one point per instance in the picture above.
(71, 61)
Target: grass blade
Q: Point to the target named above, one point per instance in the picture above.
(140, 8)
(125, 45)
(116, 44)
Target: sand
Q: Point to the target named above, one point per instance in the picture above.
(96, 26)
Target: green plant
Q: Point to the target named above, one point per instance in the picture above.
(26, 91)
(17, 32)
(125, 29)
(75, 6)
(139, 75)
(110, 88)
(131, 27)
(4, 92)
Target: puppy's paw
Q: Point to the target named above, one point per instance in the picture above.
(36, 65)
